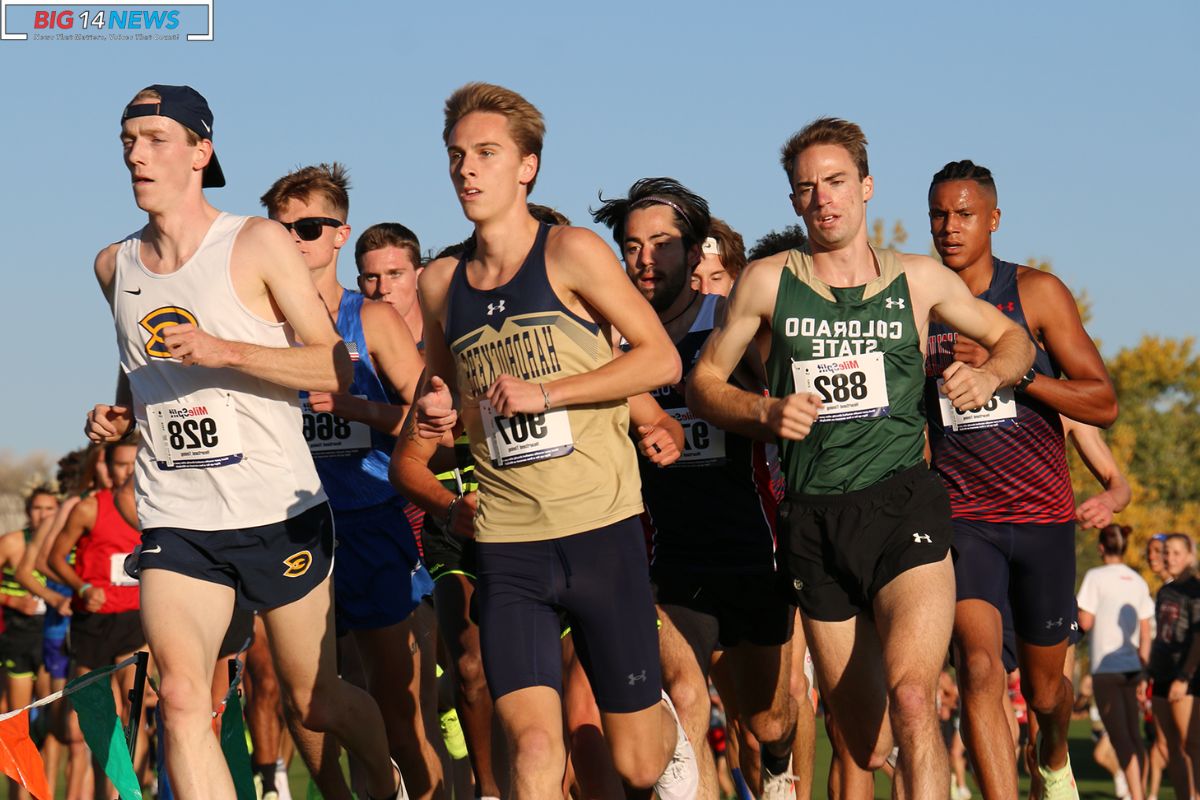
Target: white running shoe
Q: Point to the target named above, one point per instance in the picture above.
(681, 779)
(778, 787)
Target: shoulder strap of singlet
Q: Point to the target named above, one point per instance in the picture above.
(706, 318)
(800, 263)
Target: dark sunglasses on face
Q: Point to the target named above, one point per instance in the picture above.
(309, 228)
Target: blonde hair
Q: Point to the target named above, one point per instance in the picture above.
(525, 123)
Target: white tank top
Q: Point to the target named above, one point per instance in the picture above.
(219, 449)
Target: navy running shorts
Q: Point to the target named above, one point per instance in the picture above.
(1027, 567)
(267, 566)
(600, 580)
(378, 578)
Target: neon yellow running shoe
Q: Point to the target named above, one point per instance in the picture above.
(452, 732)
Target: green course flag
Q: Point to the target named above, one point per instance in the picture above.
(233, 745)
(103, 732)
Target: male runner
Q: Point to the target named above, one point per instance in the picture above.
(378, 577)
(1005, 469)
(388, 257)
(712, 513)
(723, 257)
(841, 328)
(208, 307)
(518, 329)
(106, 627)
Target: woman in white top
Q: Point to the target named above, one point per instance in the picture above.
(1115, 606)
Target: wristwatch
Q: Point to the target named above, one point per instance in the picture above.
(1026, 379)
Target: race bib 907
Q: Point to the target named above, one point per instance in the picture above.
(851, 387)
(525, 438)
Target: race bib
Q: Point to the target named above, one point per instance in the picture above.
(999, 411)
(330, 435)
(200, 432)
(703, 442)
(525, 438)
(116, 570)
(852, 387)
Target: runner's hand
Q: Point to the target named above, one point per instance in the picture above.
(194, 348)
(333, 403)
(792, 417)
(62, 605)
(93, 599)
(435, 410)
(657, 445)
(968, 387)
(462, 519)
(969, 352)
(1095, 512)
(509, 396)
(108, 423)
(26, 604)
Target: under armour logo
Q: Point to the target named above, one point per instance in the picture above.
(494, 307)
(636, 678)
(922, 537)
(892, 302)
(1054, 623)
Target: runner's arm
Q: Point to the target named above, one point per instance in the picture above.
(410, 473)
(437, 396)
(12, 545)
(1010, 351)
(585, 266)
(320, 362)
(1086, 393)
(396, 361)
(82, 518)
(709, 393)
(659, 435)
(1097, 511)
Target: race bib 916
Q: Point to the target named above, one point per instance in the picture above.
(851, 387)
(327, 434)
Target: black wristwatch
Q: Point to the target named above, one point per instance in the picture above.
(1026, 379)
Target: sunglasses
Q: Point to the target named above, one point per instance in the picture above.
(309, 228)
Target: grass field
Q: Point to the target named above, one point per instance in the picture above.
(1093, 781)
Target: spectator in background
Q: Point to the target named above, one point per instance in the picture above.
(1115, 607)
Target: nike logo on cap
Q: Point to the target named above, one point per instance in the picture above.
(148, 550)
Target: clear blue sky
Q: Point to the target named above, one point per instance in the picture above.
(1087, 113)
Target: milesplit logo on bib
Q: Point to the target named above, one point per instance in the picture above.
(110, 20)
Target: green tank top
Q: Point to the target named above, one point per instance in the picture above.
(8, 578)
(859, 348)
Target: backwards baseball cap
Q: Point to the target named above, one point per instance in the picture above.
(187, 107)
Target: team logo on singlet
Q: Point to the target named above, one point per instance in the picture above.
(297, 564)
(159, 320)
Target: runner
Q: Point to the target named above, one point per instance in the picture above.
(841, 327)
(723, 259)
(388, 257)
(205, 305)
(106, 626)
(378, 577)
(518, 330)
(1014, 525)
(712, 513)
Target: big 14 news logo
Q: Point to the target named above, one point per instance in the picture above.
(107, 19)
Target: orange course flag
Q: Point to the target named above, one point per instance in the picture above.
(20, 759)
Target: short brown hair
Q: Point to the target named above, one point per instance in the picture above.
(525, 123)
(827, 130)
(330, 181)
(193, 138)
(387, 234)
(733, 248)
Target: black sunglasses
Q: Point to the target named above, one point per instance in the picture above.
(309, 228)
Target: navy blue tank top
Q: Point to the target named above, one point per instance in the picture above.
(1014, 472)
(352, 458)
(713, 511)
